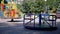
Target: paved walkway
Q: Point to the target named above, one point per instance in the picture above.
(17, 28)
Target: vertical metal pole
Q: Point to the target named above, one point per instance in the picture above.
(40, 19)
(34, 20)
(52, 21)
(55, 20)
(30, 18)
(24, 20)
(55, 23)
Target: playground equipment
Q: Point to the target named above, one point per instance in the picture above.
(44, 22)
(9, 10)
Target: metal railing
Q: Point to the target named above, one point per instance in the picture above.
(53, 20)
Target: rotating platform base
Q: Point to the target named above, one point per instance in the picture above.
(41, 28)
(38, 27)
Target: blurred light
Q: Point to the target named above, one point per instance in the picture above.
(21, 0)
(12, 2)
(45, 0)
(42, 16)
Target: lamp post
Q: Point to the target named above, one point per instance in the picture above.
(45, 6)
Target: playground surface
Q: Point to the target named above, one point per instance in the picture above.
(17, 28)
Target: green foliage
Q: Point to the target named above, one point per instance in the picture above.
(52, 3)
(19, 9)
(38, 6)
(18, 6)
(33, 6)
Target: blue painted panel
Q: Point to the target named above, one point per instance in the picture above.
(45, 16)
(1, 14)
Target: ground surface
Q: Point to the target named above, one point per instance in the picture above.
(17, 28)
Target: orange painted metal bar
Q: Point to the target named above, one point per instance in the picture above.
(2, 5)
(12, 13)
